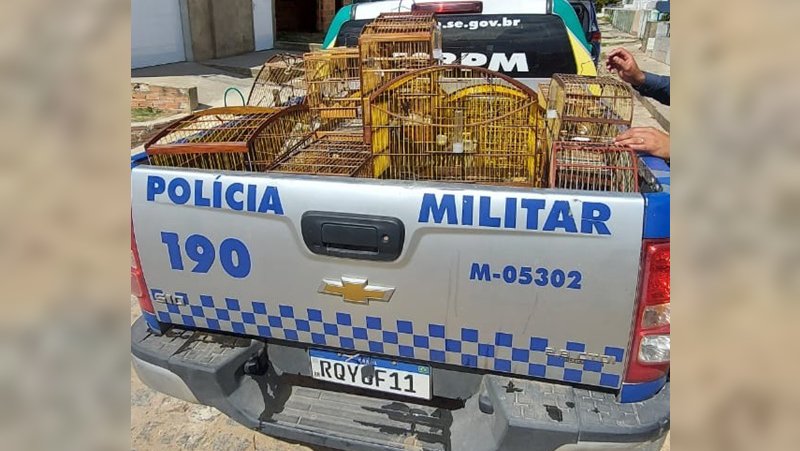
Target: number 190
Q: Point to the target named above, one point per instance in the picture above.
(233, 254)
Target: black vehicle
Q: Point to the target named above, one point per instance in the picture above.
(587, 15)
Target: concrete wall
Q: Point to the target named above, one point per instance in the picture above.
(220, 28)
(621, 19)
(233, 27)
(201, 36)
(655, 41)
(642, 23)
(631, 21)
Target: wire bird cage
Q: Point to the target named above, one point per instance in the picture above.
(230, 138)
(347, 126)
(544, 93)
(594, 167)
(542, 144)
(328, 153)
(280, 82)
(396, 43)
(454, 123)
(333, 80)
(587, 109)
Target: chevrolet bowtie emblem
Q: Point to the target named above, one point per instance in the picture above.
(356, 290)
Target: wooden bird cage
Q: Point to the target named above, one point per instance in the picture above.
(396, 43)
(334, 85)
(328, 153)
(230, 138)
(455, 123)
(593, 167)
(587, 109)
(544, 94)
(280, 82)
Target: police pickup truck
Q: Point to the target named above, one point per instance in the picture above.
(382, 314)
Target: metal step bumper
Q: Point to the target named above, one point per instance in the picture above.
(233, 374)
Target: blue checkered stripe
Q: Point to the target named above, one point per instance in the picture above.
(405, 339)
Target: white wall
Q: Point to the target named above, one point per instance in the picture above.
(156, 33)
(264, 24)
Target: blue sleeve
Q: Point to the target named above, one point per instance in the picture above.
(655, 86)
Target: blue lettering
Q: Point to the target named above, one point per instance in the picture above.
(217, 194)
(155, 185)
(511, 213)
(593, 217)
(239, 268)
(444, 209)
(532, 206)
(172, 191)
(560, 217)
(234, 188)
(466, 210)
(430, 207)
(251, 197)
(271, 201)
(199, 200)
(480, 272)
(485, 218)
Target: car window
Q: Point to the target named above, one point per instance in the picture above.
(583, 16)
(519, 45)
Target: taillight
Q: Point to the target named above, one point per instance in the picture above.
(139, 287)
(650, 350)
(595, 36)
(448, 7)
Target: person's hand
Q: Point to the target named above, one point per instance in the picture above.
(646, 139)
(623, 64)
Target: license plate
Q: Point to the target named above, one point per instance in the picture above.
(363, 371)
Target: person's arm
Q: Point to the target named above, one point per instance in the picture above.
(655, 86)
(624, 64)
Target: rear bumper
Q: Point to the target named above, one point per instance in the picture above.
(208, 368)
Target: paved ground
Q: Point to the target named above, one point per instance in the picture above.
(211, 82)
(160, 422)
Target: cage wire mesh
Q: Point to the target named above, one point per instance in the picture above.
(230, 138)
(544, 93)
(542, 142)
(454, 123)
(587, 109)
(334, 83)
(328, 153)
(346, 126)
(286, 130)
(395, 43)
(594, 167)
(280, 82)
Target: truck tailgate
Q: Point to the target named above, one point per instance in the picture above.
(532, 282)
